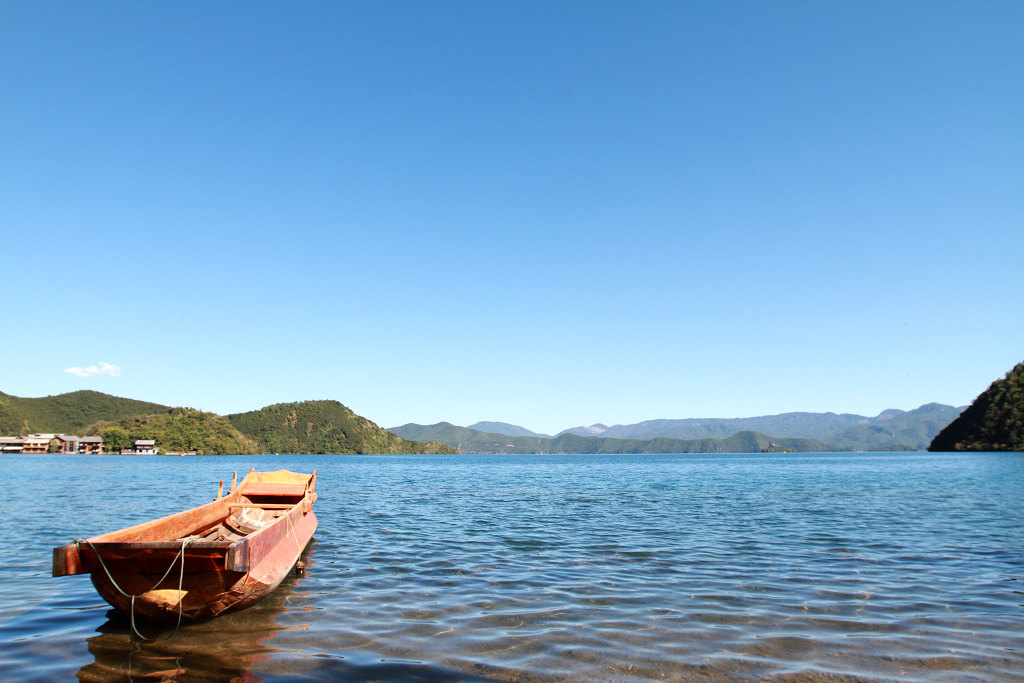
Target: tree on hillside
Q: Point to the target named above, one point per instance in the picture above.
(115, 439)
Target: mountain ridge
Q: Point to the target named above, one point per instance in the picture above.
(891, 429)
(596, 429)
(68, 413)
(472, 441)
(505, 428)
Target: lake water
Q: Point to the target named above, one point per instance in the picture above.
(823, 567)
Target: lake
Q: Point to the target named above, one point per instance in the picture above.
(808, 567)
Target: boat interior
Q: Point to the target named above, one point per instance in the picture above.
(260, 504)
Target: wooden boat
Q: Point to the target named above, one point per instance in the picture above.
(203, 562)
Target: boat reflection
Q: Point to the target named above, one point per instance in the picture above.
(221, 649)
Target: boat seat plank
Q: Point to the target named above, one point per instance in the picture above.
(264, 506)
(271, 489)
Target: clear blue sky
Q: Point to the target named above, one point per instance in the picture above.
(546, 213)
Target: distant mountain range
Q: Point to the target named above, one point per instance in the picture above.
(887, 431)
(473, 441)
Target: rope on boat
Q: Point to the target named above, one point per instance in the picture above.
(291, 532)
(181, 581)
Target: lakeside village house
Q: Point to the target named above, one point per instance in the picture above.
(64, 443)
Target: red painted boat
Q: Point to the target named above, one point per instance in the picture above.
(203, 562)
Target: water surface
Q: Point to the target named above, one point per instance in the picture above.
(830, 567)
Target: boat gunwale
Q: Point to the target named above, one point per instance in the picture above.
(192, 541)
(155, 545)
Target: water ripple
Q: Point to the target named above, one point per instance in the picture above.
(845, 567)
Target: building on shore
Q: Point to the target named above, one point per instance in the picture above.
(38, 444)
(142, 447)
(91, 445)
(41, 444)
(12, 444)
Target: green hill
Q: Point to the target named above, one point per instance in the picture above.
(309, 427)
(472, 441)
(994, 422)
(177, 429)
(322, 427)
(67, 413)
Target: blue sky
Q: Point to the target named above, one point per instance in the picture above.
(546, 213)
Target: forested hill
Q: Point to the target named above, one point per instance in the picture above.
(176, 430)
(322, 427)
(474, 441)
(68, 413)
(994, 422)
(308, 427)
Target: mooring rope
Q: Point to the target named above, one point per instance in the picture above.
(291, 532)
(113, 582)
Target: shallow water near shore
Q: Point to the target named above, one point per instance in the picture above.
(809, 567)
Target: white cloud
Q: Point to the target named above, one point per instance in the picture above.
(93, 370)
